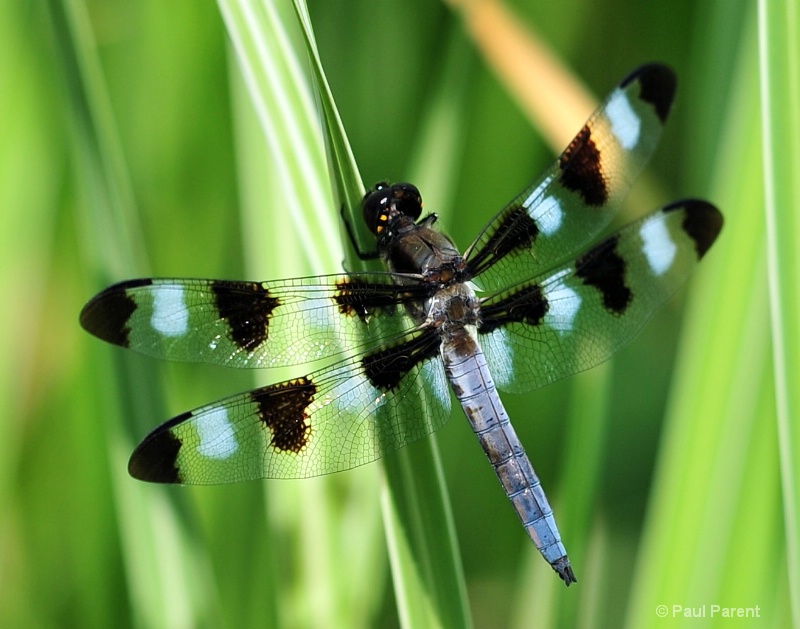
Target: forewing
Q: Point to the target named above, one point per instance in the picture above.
(251, 324)
(578, 195)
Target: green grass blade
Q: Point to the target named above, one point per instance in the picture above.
(278, 86)
(347, 185)
(163, 592)
(426, 567)
(779, 55)
(705, 506)
(294, 198)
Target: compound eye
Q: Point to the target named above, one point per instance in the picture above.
(408, 200)
(376, 205)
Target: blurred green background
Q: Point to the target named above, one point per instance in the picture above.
(662, 465)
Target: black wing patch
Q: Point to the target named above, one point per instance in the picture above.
(386, 368)
(247, 307)
(284, 409)
(582, 169)
(604, 268)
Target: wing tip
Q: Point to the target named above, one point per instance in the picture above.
(155, 459)
(658, 83)
(702, 222)
(106, 314)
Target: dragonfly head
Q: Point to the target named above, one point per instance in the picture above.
(387, 202)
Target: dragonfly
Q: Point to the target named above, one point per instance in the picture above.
(533, 299)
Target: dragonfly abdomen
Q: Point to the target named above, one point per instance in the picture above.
(473, 385)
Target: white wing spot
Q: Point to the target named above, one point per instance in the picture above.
(659, 248)
(546, 212)
(563, 304)
(530, 203)
(170, 316)
(625, 123)
(216, 433)
(551, 216)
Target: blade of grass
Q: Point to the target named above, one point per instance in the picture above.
(779, 56)
(328, 587)
(27, 226)
(715, 415)
(342, 169)
(31, 170)
(426, 567)
(281, 96)
(162, 592)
